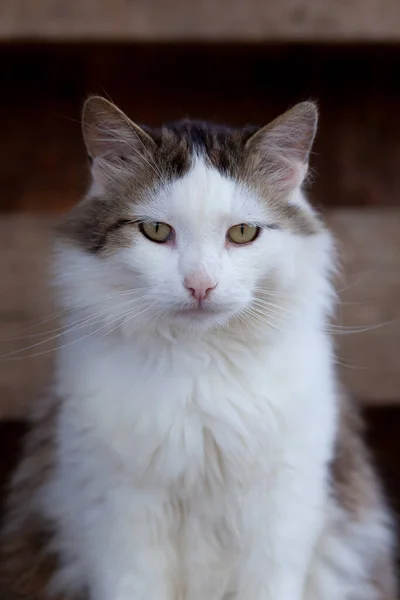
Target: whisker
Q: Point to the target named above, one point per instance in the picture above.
(352, 285)
(57, 336)
(269, 292)
(37, 322)
(71, 343)
(268, 304)
(260, 317)
(348, 329)
(70, 326)
(347, 365)
(122, 322)
(266, 307)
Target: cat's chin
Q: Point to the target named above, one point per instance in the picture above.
(200, 317)
(197, 312)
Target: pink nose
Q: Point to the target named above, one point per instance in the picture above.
(199, 288)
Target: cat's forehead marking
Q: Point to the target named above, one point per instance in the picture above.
(221, 147)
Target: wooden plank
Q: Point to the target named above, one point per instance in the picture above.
(208, 20)
(24, 301)
(369, 293)
(370, 250)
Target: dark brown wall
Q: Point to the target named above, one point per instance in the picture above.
(357, 155)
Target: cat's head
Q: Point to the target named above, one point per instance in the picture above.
(193, 225)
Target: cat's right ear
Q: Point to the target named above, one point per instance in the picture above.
(111, 138)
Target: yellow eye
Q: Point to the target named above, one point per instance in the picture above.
(156, 232)
(243, 233)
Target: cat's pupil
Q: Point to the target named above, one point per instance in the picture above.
(242, 229)
(156, 226)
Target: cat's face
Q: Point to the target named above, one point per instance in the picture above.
(191, 226)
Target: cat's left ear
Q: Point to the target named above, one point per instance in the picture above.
(286, 143)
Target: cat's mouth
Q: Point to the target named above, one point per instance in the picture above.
(197, 311)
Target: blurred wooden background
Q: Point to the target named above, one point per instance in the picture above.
(208, 20)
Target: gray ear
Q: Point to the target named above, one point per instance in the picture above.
(108, 133)
(291, 135)
(287, 142)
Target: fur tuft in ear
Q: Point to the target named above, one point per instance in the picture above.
(111, 140)
(108, 132)
(288, 141)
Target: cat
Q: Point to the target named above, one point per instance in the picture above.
(195, 443)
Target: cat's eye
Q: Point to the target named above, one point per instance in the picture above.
(243, 233)
(156, 232)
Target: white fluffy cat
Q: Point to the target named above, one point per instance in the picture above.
(195, 444)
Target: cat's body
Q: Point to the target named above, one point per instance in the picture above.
(196, 445)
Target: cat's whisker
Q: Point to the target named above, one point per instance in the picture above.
(122, 320)
(271, 292)
(266, 303)
(260, 318)
(261, 307)
(12, 355)
(266, 309)
(119, 319)
(353, 284)
(68, 329)
(251, 318)
(246, 322)
(106, 311)
(347, 364)
(37, 322)
(352, 329)
(75, 324)
(271, 317)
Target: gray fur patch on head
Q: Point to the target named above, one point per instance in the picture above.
(130, 162)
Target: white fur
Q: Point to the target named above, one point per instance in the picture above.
(193, 450)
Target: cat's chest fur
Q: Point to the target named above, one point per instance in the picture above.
(187, 415)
